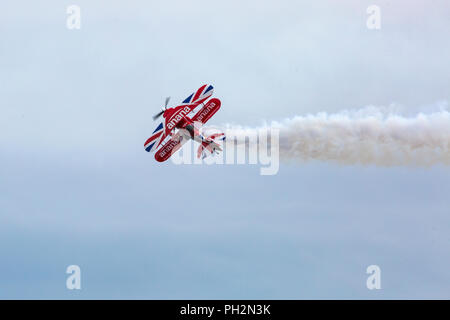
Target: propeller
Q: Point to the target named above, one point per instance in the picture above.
(156, 116)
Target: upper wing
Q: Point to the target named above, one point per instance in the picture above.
(170, 147)
(199, 96)
(205, 113)
(152, 141)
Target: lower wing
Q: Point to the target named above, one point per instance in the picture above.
(170, 147)
(205, 113)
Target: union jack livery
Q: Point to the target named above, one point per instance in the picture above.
(180, 126)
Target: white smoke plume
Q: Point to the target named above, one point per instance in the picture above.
(376, 136)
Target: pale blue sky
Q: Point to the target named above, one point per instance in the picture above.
(77, 187)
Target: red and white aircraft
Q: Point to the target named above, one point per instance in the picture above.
(180, 126)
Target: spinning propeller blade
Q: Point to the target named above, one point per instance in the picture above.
(156, 116)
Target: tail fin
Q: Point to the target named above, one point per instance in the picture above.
(209, 146)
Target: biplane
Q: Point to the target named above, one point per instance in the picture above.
(183, 122)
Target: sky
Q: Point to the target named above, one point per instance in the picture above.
(77, 187)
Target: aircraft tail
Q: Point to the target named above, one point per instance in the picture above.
(209, 146)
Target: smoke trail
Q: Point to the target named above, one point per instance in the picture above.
(367, 136)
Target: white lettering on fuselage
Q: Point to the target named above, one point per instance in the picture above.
(173, 121)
